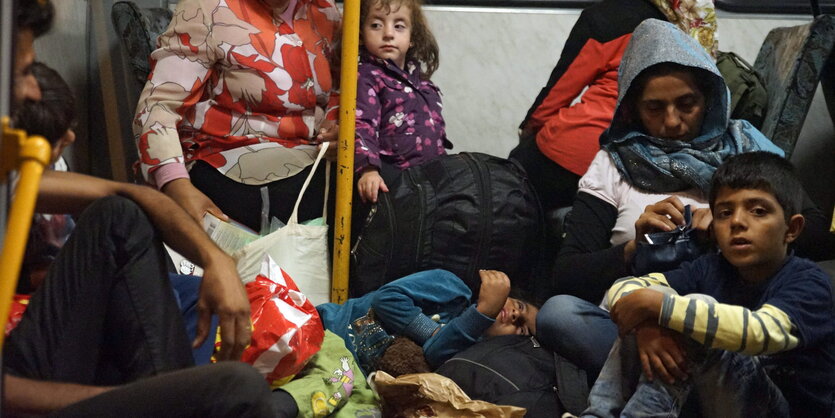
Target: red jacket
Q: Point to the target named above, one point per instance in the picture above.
(569, 135)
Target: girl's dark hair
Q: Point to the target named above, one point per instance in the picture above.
(705, 82)
(424, 48)
(54, 114)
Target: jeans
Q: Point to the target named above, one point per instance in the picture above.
(106, 315)
(577, 330)
(728, 384)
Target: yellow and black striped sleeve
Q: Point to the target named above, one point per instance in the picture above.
(627, 285)
(767, 330)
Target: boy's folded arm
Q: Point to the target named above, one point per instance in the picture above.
(398, 304)
(627, 285)
(460, 333)
(767, 330)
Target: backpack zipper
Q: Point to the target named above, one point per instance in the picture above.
(485, 209)
(487, 368)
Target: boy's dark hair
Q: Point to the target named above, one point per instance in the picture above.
(34, 15)
(55, 113)
(526, 297)
(764, 171)
(424, 47)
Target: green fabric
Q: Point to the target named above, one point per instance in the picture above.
(333, 385)
(749, 98)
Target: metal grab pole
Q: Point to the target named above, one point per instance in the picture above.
(30, 155)
(345, 150)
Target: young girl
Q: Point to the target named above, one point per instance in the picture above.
(399, 123)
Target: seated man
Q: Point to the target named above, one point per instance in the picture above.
(104, 327)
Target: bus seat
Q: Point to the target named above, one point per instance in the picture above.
(28, 156)
(138, 28)
(790, 61)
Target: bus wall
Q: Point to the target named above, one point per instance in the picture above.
(494, 61)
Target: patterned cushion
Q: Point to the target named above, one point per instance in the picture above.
(790, 62)
(139, 28)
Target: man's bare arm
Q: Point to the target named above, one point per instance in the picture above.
(221, 292)
(26, 396)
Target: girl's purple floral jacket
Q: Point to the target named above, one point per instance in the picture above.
(398, 116)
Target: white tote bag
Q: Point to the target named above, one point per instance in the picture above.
(301, 250)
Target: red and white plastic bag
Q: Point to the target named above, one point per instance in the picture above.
(286, 328)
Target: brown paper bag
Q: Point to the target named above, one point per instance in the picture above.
(433, 395)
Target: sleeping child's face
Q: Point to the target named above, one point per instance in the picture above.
(516, 318)
(387, 34)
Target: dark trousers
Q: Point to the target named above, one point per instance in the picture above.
(106, 315)
(243, 202)
(555, 186)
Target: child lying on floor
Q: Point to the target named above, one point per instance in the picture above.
(432, 308)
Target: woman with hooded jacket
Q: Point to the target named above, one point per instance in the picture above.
(670, 131)
(559, 136)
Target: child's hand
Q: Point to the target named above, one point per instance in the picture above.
(635, 308)
(495, 286)
(661, 352)
(369, 184)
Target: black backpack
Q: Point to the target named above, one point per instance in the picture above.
(508, 370)
(462, 213)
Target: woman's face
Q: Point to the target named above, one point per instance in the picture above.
(672, 107)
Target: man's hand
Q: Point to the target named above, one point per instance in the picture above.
(222, 293)
(661, 353)
(635, 308)
(370, 184)
(195, 203)
(495, 286)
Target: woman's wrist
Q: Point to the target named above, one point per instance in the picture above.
(629, 250)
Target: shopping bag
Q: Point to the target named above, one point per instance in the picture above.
(286, 328)
(300, 249)
(18, 308)
(432, 395)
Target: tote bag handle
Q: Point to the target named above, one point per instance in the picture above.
(294, 217)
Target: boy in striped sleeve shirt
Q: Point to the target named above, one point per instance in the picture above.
(755, 336)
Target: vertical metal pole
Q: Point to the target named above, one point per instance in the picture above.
(29, 156)
(345, 150)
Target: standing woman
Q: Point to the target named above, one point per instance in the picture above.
(240, 94)
(559, 136)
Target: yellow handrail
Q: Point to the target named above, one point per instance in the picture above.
(29, 155)
(345, 150)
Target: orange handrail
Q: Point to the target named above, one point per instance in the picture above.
(30, 156)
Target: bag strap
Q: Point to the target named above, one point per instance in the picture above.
(294, 217)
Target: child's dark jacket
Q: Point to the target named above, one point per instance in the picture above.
(399, 119)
